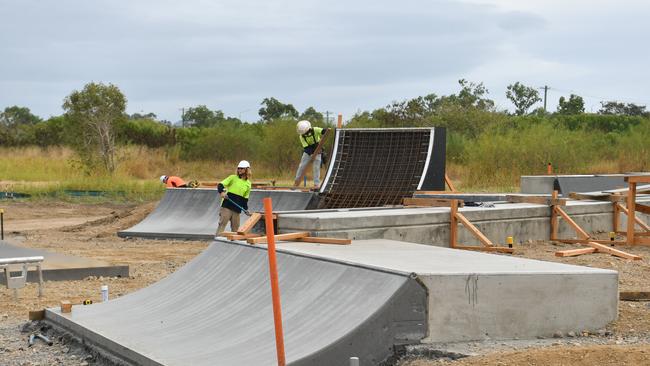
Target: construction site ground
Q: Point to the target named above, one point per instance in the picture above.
(89, 230)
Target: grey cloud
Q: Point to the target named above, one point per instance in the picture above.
(230, 54)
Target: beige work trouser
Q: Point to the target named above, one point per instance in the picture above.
(225, 215)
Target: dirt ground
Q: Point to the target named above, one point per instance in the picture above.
(89, 230)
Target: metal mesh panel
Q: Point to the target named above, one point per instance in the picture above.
(376, 167)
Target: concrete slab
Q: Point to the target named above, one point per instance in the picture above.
(218, 308)
(193, 214)
(61, 267)
(476, 296)
(569, 184)
(431, 225)
(565, 184)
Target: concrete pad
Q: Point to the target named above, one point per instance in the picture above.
(431, 225)
(476, 296)
(217, 309)
(565, 184)
(61, 267)
(590, 184)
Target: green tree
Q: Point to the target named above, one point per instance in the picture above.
(312, 115)
(151, 116)
(17, 126)
(471, 95)
(523, 97)
(274, 109)
(94, 114)
(51, 132)
(622, 109)
(202, 116)
(13, 116)
(575, 105)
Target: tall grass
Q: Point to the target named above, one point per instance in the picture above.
(48, 172)
(493, 161)
(499, 157)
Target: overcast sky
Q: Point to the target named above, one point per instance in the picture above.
(338, 56)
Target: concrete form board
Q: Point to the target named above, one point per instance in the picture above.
(475, 296)
(218, 307)
(194, 213)
(60, 267)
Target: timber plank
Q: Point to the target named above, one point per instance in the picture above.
(250, 223)
(315, 239)
(574, 252)
(262, 239)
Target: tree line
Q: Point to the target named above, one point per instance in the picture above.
(94, 123)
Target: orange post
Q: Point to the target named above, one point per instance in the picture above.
(339, 123)
(549, 169)
(275, 287)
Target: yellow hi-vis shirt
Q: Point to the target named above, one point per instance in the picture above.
(313, 138)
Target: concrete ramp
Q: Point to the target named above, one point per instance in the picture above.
(374, 167)
(194, 213)
(217, 310)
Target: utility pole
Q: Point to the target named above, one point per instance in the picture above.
(327, 117)
(183, 117)
(545, 94)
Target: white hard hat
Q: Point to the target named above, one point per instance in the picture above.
(162, 178)
(303, 126)
(244, 164)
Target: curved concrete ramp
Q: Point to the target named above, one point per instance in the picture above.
(217, 310)
(194, 213)
(374, 167)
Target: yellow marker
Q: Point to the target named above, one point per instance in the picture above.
(509, 241)
(2, 210)
(612, 235)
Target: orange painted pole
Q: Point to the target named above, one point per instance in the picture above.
(339, 123)
(549, 169)
(275, 286)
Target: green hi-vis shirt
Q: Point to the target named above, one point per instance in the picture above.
(238, 186)
(312, 138)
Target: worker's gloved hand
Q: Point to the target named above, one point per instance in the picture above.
(223, 194)
(248, 213)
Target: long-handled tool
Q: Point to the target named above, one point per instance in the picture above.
(238, 206)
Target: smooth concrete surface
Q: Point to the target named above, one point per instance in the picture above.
(590, 184)
(476, 296)
(217, 309)
(194, 213)
(565, 184)
(467, 197)
(431, 225)
(536, 184)
(61, 267)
